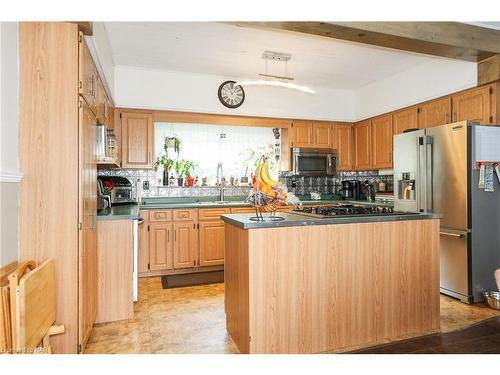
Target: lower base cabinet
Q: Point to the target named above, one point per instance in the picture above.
(160, 246)
(185, 245)
(211, 243)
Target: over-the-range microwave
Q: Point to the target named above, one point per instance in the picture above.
(314, 161)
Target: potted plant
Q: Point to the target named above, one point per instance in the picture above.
(179, 169)
(189, 166)
(164, 158)
(172, 142)
(167, 163)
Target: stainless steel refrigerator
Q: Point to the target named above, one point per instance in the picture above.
(435, 171)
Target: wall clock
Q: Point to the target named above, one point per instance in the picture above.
(231, 95)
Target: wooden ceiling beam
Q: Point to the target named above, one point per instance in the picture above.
(445, 39)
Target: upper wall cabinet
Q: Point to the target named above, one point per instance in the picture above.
(434, 113)
(344, 144)
(473, 105)
(87, 72)
(405, 119)
(312, 134)
(362, 145)
(381, 141)
(137, 139)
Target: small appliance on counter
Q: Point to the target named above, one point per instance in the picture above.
(118, 188)
(314, 161)
(103, 200)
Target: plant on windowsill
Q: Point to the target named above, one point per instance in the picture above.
(189, 167)
(165, 160)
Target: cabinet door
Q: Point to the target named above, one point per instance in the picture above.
(185, 245)
(87, 76)
(344, 144)
(435, 113)
(473, 105)
(405, 119)
(362, 146)
(143, 256)
(381, 131)
(160, 247)
(302, 134)
(323, 134)
(88, 247)
(137, 140)
(211, 243)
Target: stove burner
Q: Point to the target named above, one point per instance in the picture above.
(347, 210)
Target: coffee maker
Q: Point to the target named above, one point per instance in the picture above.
(349, 189)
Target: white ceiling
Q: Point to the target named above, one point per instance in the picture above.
(229, 50)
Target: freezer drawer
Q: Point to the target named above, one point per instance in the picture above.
(454, 280)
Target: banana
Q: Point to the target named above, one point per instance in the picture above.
(264, 175)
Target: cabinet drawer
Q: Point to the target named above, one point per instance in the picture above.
(213, 213)
(160, 215)
(185, 215)
(242, 210)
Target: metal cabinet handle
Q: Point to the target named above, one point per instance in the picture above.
(457, 235)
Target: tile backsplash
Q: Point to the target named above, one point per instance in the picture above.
(156, 189)
(332, 184)
(303, 185)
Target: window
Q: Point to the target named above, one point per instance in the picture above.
(238, 148)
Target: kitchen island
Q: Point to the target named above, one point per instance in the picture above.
(311, 285)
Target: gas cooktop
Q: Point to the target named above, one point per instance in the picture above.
(341, 209)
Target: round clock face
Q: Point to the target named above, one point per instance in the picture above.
(231, 95)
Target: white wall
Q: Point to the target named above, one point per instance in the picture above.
(9, 139)
(100, 43)
(168, 90)
(427, 81)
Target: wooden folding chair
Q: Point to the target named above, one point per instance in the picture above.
(33, 307)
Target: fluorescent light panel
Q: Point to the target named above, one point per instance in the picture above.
(287, 85)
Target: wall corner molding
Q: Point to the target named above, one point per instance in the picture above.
(14, 177)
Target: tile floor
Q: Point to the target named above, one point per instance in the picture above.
(192, 321)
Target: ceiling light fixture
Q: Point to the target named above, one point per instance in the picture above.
(277, 80)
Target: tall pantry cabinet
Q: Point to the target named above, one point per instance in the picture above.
(57, 205)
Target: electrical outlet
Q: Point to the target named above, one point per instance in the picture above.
(145, 185)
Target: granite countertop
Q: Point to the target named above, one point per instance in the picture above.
(124, 212)
(210, 202)
(295, 219)
(131, 211)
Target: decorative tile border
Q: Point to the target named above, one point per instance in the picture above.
(303, 185)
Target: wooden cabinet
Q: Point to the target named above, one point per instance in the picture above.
(381, 142)
(362, 145)
(88, 250)
(87, 72)
(474, 105)
(211, 243)
(312, 134)
(405, 119)
(322, 134)
(161, 246)
(57, 149)
(343, 142)
(185, 245)
(302, 133)
(211, 235)
(143, 251)
(434, 113)
(116, 271)
(137, 139)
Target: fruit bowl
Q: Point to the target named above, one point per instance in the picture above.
(267, 194)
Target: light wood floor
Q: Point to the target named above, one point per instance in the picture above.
(192, 321)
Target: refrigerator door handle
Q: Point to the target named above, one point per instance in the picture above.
(419, 183)
(429, 150)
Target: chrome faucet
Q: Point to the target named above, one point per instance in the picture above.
(220, 181)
